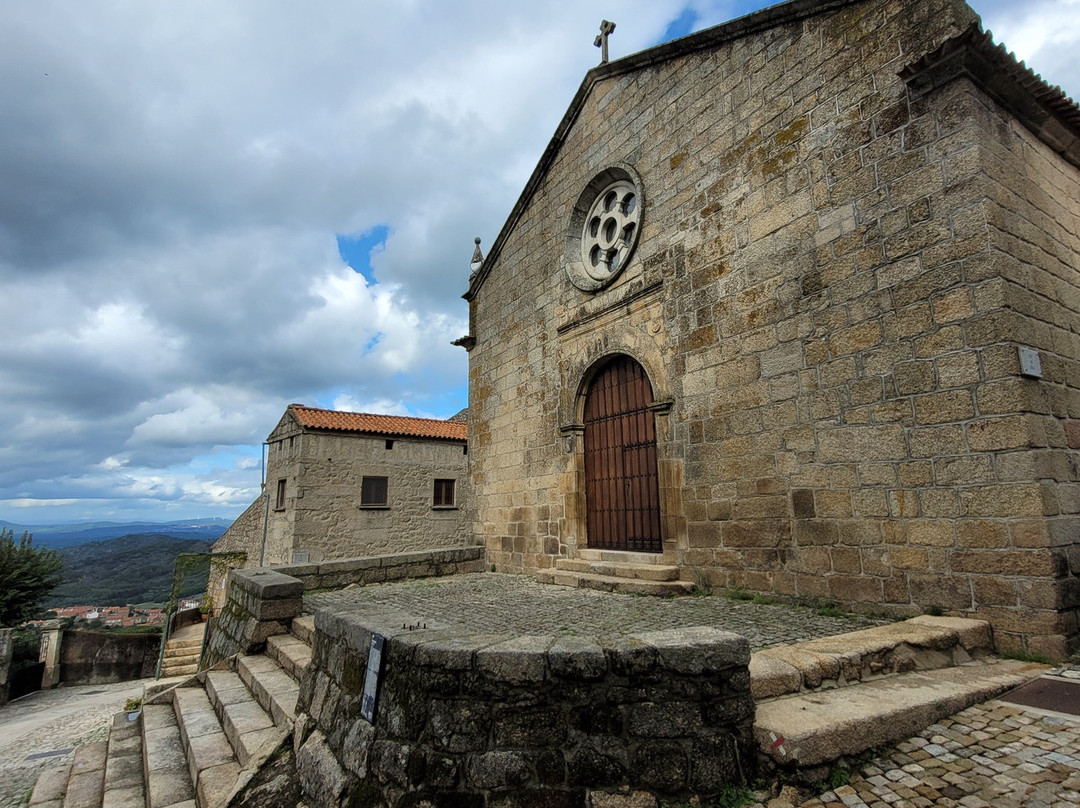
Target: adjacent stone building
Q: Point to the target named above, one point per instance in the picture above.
(346, 484)
(794, 303)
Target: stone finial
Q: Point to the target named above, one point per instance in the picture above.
(477, 258)
(606, 29)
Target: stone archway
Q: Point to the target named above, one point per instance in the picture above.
(622, 491)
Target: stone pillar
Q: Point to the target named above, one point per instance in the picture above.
(51, 637)
(260, 603)
(7, 642)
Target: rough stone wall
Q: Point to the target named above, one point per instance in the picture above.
(831, 285)
(99, 657)
(492, 721)
(245, 535)
(377, 569)
(322, 514)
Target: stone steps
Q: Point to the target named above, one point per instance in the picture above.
(291, 653)
(181, 654)
(196, 743)
(619, 569)
(921, 643)
(838, 696)
(250, 729)
(274, 690)
(50, 788)
(123, 766)
(614, 583)
(186, 668)
(817, 728)
(165, 769)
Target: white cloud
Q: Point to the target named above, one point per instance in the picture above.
(172, 178)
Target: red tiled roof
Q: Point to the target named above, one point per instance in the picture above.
(313, 418)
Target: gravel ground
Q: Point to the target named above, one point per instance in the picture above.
(483, 602)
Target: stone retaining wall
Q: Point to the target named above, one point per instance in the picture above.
(377, 569)
(523, 721)
(101, 657)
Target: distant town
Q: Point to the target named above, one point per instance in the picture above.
(117, 616)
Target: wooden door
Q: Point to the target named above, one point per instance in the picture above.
(622, 491)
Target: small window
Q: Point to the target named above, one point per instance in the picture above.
(465, 449)
(389, 444)
(444, 494)
(373, 492)
(279, 503)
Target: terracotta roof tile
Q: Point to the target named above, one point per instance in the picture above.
(313, 418)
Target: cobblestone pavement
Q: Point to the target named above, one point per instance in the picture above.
(50, 720)
(518, 604)
(993, 755)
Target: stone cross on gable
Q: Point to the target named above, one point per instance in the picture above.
(606, 28)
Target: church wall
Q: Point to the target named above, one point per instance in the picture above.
(831, 284)
(1032, 213)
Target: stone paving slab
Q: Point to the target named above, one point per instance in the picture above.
(518, 604)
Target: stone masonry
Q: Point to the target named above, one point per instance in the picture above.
(859, 218)
(319, 516)
(503, 720)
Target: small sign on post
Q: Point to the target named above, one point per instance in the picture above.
(371, 681)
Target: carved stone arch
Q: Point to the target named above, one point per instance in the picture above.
(579, 370)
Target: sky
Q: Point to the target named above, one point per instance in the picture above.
(211, 209)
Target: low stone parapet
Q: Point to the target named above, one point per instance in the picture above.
(561, 720)
(377, 569)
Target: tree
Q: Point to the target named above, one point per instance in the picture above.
(27, 575)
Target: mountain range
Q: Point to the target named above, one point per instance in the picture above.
(69, 535)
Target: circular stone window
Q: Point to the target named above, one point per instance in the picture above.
(604, 228)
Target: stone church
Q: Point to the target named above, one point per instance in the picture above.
(793, 304)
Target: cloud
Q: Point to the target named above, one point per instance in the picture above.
(174, 179)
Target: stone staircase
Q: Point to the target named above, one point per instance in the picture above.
(614, 571)
(182, 651)
(838, 696)
(195, 744)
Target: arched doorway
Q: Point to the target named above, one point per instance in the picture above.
(622, 491)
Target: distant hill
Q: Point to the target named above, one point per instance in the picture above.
(136, 568)
(57, 536)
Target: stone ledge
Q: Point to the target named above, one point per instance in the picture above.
(921, 643)
(267, 584)
(514, 659)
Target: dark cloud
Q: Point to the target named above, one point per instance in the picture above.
(172, 181)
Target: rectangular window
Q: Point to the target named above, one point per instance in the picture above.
(279, 502)
(373, 492)
(444, 494)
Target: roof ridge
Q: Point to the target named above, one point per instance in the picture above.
(372, 414)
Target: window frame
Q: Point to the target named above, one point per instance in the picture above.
(435, 491)
(385, 503)
(279, 500)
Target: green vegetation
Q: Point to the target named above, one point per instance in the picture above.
(27, 575)
(1028, 656)
(131, 569)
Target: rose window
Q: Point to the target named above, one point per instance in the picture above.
(611, 230)
(604, 228)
